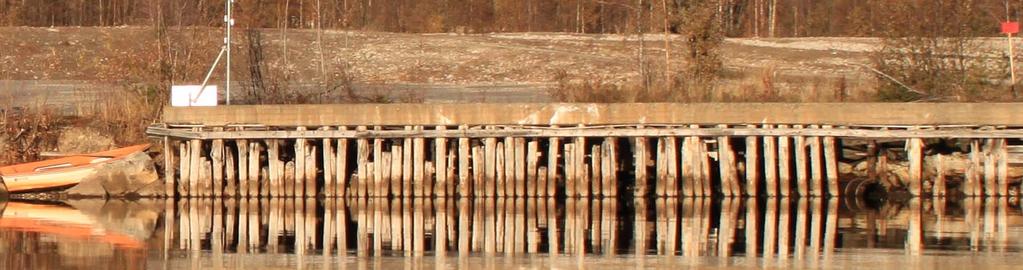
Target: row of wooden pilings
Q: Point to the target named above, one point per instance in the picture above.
(481, 166)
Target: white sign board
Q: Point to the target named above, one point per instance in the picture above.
(192, 96)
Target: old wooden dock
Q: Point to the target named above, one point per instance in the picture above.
(572, 150)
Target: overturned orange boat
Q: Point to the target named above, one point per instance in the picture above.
(60, 172)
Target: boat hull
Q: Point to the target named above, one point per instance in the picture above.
(59, 173)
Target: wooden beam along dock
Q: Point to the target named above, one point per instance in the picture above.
(572, 150)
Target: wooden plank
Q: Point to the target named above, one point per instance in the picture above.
(994, 114)
(770, 165)
(651, 131)
(440, 162)
(752, 166)
(641, 157)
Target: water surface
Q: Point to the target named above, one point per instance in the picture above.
(511, 233)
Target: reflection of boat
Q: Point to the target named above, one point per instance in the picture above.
(61, 221)
(61, 172)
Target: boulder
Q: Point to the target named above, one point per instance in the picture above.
(132, 176)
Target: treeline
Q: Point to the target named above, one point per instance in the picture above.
(738, 18)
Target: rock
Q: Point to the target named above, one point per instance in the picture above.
(132, 176)
(77, 140)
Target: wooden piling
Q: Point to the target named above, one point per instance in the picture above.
(217, 157)
(915, 153)
(379, 187)
(440, 164)
(831, 163)
(816, 171)
(671, 184)
(553, 154)
(581, 170)
(1002, 167)
(230, 169)
(705, 170)
(311, 170)
(641, 158)
(770, 165)
(501, 170)
(329, 166)
(661, 168)
(464, 156)
(395, 170)
(490, 166)
(255, 152)
(609, 167)
(690, 167)
(727, 167)
(185, 165)
(362, 158)
(939, 179)
(195, 158)
(276, 171)
(168, 168)
(478, 188)
(300, 165)
(802, 164)
(507, 179)
(784, 161)
(341, 174)
(752, 164)
(570, 171)
(520, 167)
(990, 176)
(596, 161)
(532, 158)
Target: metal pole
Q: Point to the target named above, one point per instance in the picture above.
(229, 21)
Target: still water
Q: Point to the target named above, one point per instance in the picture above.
(511, 233)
